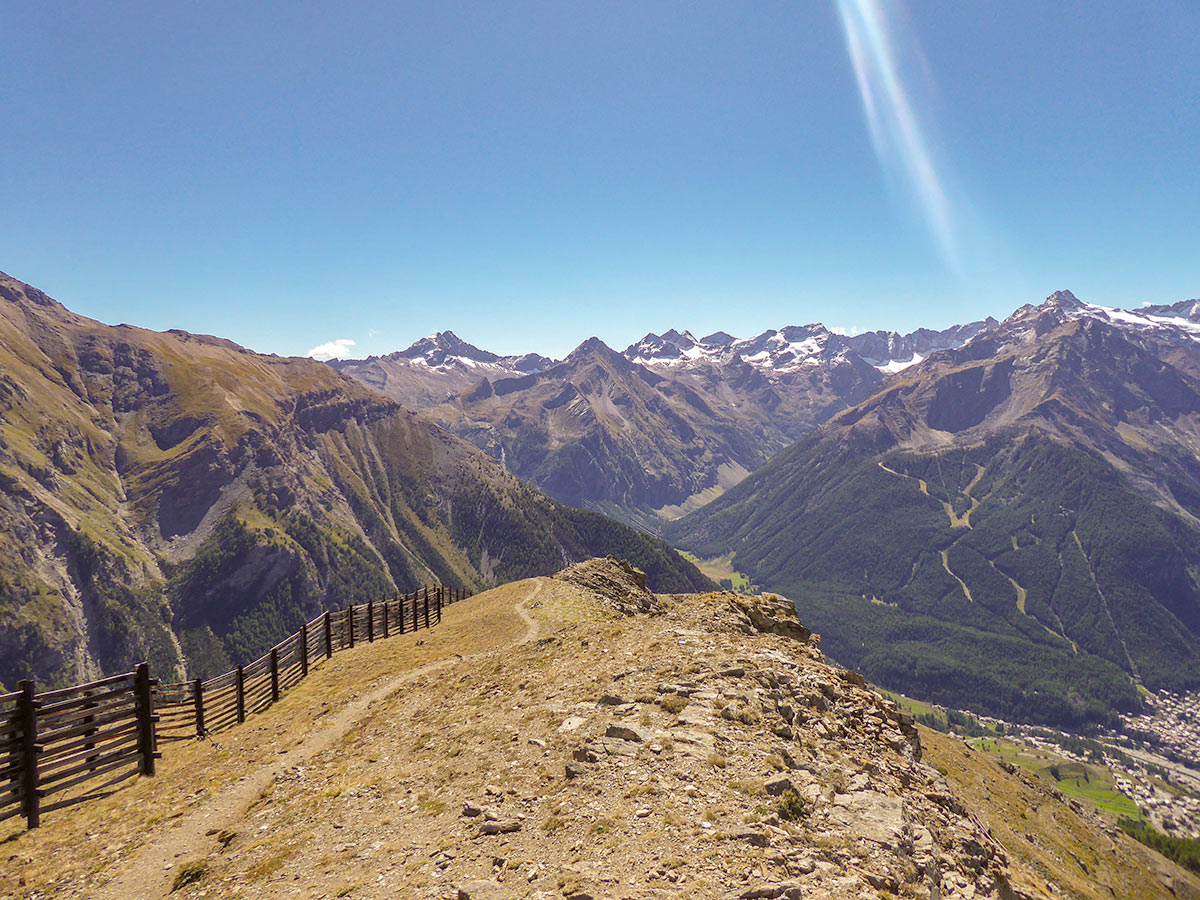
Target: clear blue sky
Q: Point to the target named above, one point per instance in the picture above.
(529, 174)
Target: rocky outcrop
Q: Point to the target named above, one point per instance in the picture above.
(613, 582)
(846, 803)
(772, 614)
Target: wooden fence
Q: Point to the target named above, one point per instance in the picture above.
(55, 743)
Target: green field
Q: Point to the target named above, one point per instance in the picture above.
(719, 568)
(1075, 779)
(1107, 798)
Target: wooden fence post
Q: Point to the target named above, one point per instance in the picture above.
(426, 607)
(144, 704)
(370, 621)
(328, 635)
(239, 678)
(198, 697)
(302, 637)
(274, 674)
(350, 624)
(13, 762)
(89, 719)
(27, 719)
(441, 597)
(385, 618)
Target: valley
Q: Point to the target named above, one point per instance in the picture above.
(657, 430)
(989, 512)
(1148, 772)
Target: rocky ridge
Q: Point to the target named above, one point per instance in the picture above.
(780, 351)
(702, 749)
(847, 804)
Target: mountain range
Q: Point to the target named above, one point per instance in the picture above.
(178, 498)
(660, 428)
(1012, 525)
(1003, 516)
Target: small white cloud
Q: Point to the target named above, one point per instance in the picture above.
(849, 332)
(332, 350)
(1146, 303)
(372, 332)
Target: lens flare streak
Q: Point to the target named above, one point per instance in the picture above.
(878, 50)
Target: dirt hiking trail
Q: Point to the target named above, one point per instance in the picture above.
(152, 871)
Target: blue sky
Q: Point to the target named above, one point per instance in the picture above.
(529, 174)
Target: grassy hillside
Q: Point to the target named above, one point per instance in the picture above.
(178, 498)
(1018, 577)
(1011, 527)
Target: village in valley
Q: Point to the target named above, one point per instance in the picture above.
(1148, 771)
(1164, 745)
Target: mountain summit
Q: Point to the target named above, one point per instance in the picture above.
(436, 349)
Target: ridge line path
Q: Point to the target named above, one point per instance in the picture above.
(152, 870)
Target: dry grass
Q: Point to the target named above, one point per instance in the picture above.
(87, 844)
(673, 703)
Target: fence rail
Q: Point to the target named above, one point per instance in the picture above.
(55, 744)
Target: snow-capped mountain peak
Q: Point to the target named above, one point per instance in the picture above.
(794, 347)
(446, 348)
(445, 351)
(669, 347)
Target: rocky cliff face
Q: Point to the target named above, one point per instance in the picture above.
(179, 498)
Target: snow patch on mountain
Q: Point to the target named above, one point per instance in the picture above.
(795, 347)
(899, 365)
